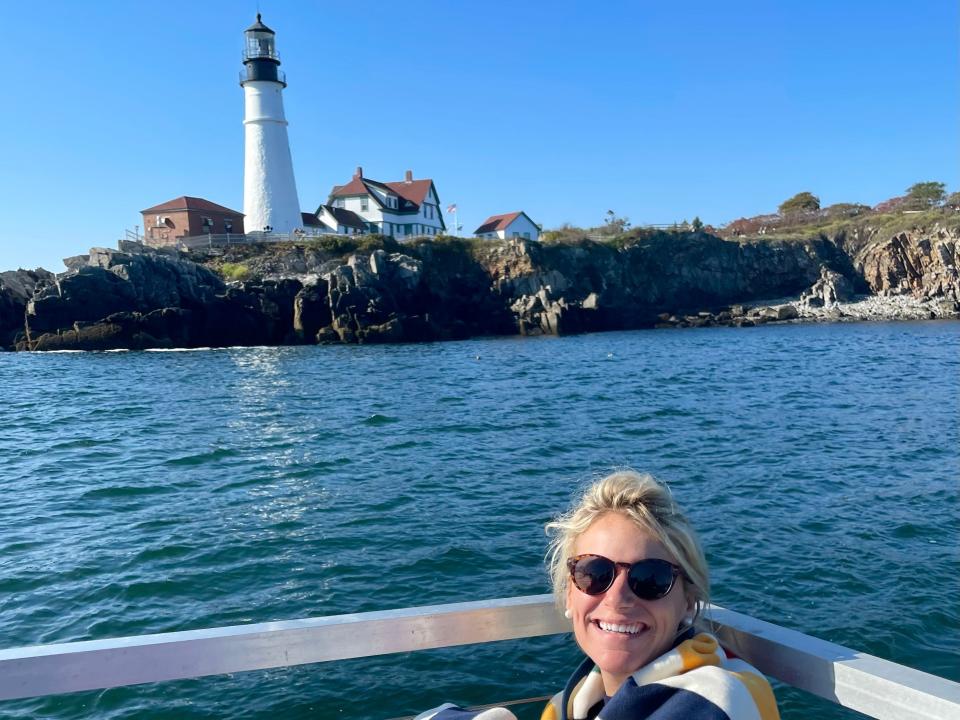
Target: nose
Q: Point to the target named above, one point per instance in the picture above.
(620, 593)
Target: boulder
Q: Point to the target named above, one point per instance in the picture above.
(787, 312)
(141, 280)
(17, 288)
(388, 332)
(91, 294)
(828, 290)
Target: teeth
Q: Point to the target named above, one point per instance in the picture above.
(613, 627)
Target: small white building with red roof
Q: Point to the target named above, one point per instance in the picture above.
(399, 209)
(509, 225)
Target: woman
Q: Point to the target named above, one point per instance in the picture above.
(629, 572)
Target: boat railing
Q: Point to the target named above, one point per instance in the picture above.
(870, 685)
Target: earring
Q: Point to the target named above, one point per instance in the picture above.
(567, 614)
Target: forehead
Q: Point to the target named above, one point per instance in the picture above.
(618, 537)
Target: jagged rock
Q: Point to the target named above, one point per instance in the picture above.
(925, 266)
(828, 290)
(326, 335)
(162, 281)
(311, 311)
(453, 289)
(947, 307)
(117, 331)
(17, 287)
(388, 332)
(115, 282)
(251, 314)
(91, 294)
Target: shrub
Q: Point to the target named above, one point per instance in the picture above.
(235, 271)
(566, 233)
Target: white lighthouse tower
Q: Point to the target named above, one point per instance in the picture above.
(270, 202)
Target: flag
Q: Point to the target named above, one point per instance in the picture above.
(452, 208)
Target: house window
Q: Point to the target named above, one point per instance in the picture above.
(527, 235)
(364, 204)
(516, 234)
(408, 228)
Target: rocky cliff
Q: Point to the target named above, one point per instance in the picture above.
(379, 291)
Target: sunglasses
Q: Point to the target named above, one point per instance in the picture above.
(649, 579)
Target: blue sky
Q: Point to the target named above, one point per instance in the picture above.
(659, 111)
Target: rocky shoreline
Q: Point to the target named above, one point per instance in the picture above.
(374, 291)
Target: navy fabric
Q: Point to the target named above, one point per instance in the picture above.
(659, 702)
(587, 665)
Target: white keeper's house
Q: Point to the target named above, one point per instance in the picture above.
(399, 209)
(509, 225)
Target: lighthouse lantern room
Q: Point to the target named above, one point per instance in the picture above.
(270, 202)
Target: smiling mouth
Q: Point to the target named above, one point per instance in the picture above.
(629, 629)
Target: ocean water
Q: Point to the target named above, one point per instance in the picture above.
(159, 491)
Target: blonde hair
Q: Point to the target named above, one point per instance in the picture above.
(649, 503)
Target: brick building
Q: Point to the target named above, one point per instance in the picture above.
(167, 222)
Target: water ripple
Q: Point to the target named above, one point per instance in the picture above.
(175, 490)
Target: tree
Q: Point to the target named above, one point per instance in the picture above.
(801, 202)
(614, 225)
(926, 194)
(953, 201)
(697, 224)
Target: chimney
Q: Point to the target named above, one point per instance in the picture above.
(409, 177)
(359, 172)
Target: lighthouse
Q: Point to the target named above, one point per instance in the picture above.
(270, 202)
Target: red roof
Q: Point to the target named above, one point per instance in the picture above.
(185, 202)
(354, 187)
(497, 222)
(415, 191)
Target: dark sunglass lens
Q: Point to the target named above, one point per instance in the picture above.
(593, 575)
(651, 579)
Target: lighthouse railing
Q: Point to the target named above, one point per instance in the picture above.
(870, 685)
